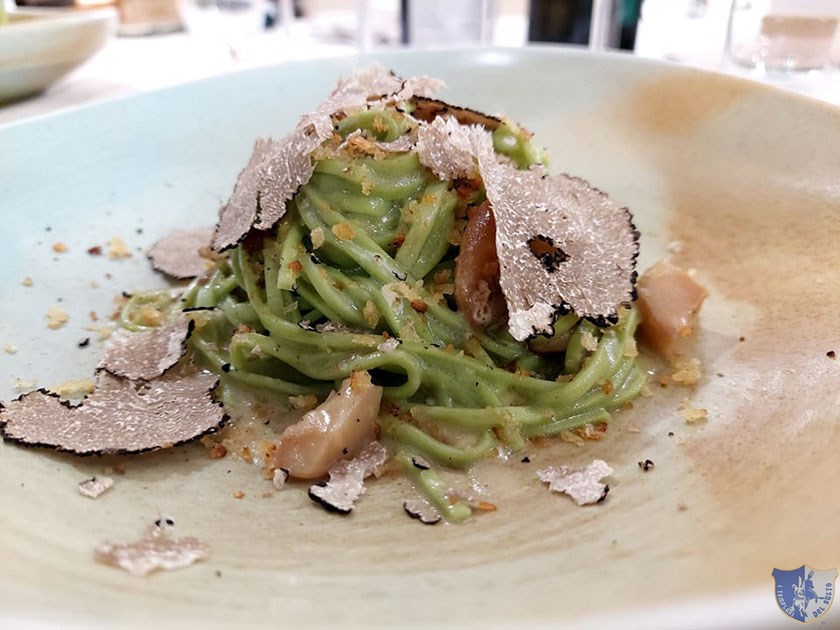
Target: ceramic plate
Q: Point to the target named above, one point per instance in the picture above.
(743, 178)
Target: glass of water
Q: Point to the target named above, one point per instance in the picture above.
(783, 36)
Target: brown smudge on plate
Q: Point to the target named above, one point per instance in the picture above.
(750, 183)
(678, 104)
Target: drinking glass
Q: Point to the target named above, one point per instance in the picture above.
(784, 35)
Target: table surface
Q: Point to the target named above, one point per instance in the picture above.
(128, 65)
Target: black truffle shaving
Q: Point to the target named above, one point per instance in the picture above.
(324, 502)
(549, 254)
(604, 494)
(417, 514)
(419, 464)
(121, 417)
(427, 109)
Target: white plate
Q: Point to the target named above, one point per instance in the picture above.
(744, 176)
(37, 48)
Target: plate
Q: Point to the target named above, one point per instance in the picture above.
(739, 178)
(37, 48)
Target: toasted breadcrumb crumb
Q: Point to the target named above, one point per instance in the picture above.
(59, 247)
(588, 341)
(117, 248)
(10, 349)
(102, 332)
(74, 389)
(27, 281)
(306, 402)
(693, 414)
(24, 383)
(317, 237)
(572, 438)
(343, 231)
(56, 317)
(687, 372)
(371, 314)
(239, 494)
(217, 452)
(148, 315)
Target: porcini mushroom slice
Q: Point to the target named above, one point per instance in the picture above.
(669, 300)
(336, 429)
(428, 109)
(477, 292)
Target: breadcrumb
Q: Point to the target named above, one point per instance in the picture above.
(687, 372)
(10, 349)
(317, 237)
(304, 403)
(117, 248)
(56, 317)
(27, 281)
(102, 332)
(24, 383)
(572, 438)
(343, 231)
(588, 341)
(74, 389)
(693, 414)
(59, 247)
(371, 314)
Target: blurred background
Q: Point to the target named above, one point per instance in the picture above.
(86, 50)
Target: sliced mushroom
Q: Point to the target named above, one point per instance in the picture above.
(668, 303)
(477, 291)
(338, 428)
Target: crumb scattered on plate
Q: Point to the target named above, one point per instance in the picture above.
(583, 485)
(693, 414)
(95, 486)
(153, 553)
(56, 317)
(117, 248)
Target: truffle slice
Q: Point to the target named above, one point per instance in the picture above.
(238, 215)
(583, 485)
(177, 255)
(448, 149)
(562, 244)
(278, 168)
(421, 510)
(346, 484)
(120, 416)
(147, 355)
(429, 109)
(152, 554)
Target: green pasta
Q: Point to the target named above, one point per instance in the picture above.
(364, 254)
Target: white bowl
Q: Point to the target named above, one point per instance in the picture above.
(39, 47)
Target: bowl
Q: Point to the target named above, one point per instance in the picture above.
(37, 48)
